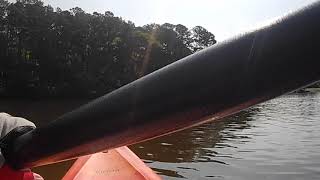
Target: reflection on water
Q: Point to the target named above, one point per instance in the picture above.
(193, 145)
(279, 139)
(182, 154)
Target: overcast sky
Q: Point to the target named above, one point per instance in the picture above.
(224, 18)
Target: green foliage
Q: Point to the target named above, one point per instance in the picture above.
(47, 52)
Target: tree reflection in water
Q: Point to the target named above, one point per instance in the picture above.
(195, 144)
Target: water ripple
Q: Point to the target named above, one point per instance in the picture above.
(279, 139)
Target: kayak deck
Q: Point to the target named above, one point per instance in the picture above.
(116, 164)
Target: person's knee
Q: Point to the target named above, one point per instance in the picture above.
(8, 123)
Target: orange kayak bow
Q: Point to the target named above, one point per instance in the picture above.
(116, 164)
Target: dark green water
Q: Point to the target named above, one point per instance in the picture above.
(279, 139)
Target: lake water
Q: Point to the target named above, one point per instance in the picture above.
(279, 139)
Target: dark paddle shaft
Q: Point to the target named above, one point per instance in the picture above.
(208, 85)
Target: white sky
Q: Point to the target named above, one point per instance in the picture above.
(224, 18)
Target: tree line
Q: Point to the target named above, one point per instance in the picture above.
(47, 52)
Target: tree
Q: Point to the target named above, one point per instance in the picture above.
(47, 52)
(201, 38)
